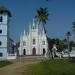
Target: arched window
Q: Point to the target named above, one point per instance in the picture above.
(24, 43)
(33, 27)
(0, 18)
(34, 41)
(0, 31)
(43, 42)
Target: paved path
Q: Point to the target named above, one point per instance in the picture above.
(18, 67)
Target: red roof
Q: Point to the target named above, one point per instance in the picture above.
(4, 10)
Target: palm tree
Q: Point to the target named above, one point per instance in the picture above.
(42, 17)
(68, 42)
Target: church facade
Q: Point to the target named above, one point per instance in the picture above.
(34, 42)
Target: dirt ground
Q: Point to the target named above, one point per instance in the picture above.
(18, 66)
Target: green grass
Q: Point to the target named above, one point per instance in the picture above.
(51, 67)
(4, 63)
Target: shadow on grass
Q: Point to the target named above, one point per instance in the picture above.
(72, 59)
(63, 74)
(4, 63)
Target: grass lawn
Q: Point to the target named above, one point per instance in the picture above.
(4, 63)
(51, 67)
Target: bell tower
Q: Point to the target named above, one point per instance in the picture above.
(4, 32)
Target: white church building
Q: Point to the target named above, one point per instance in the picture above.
(34, 42)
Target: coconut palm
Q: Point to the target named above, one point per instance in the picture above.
(42, 17)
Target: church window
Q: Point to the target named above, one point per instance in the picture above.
(0, 31)
(43, 42)
(33, 41)
(1, 19)
(33, 27)
(24, 43)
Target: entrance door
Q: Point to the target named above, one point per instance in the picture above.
(34, 51)
(24, 52)
(43, 51)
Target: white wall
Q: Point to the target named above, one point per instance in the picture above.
(4, 29)
(5, 17)
(4, 51)
(3, 41)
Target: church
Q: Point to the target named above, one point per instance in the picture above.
(34, 42)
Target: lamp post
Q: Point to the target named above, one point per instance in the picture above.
(68, 43)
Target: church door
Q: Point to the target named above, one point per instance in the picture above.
(24, 52)
(44, 51)
(34, 51)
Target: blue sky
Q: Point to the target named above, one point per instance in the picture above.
(62, 14)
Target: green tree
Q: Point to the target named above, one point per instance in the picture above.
(42, 16)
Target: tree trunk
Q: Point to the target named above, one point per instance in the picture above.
(49, 51)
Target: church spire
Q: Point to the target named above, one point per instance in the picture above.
(24, 32)
(29, 27)
(33, 25)
(33, 22)
(43, 31)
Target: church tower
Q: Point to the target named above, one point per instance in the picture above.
(4, 32)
